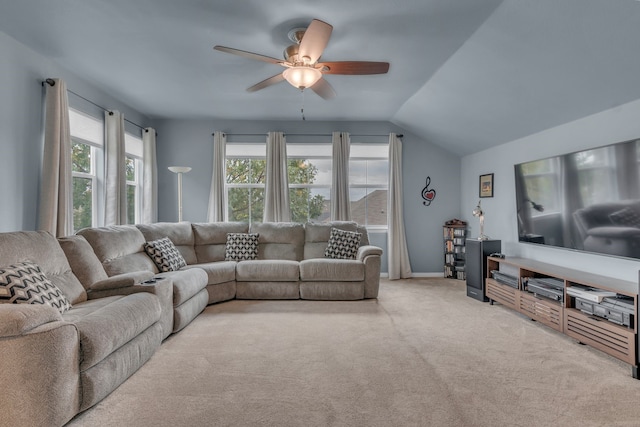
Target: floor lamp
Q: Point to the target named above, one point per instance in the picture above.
(179, 170)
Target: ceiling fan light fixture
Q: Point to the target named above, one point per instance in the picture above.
(302, 77)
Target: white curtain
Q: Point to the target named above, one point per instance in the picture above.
(397, 253)
(149, 177)
(56, 205)
(216, 194)
(276, 197)
(340, 204)
(115, 176)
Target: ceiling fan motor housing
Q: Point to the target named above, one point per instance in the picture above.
(291, 53)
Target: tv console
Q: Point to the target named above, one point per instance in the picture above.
(614, 339)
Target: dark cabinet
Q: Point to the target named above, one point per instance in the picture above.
(477, 252)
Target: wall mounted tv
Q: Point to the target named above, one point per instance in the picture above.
(587, 201)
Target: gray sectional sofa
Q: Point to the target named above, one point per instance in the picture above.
(123, 306)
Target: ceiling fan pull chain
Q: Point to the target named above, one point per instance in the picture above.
(302, 107)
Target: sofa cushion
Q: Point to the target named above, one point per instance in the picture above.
(241, 246)
(83, 260)
(106, 324)
(317, 236)
(24, 283)
(180, 233)
(120, 248)
(268, 271)
(186, 283)
(280, 240)
(343, 244)
(43, 249)
(217, 272)
(336, 270)
(211, 239)
(165, 255)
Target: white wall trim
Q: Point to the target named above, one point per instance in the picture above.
(414, 274)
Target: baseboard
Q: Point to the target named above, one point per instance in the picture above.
(427, 274)
(417, 275)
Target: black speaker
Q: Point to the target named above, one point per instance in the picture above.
(477, 252)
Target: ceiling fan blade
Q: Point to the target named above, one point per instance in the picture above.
(354, 67)
(266, 82)
(249, 55)
(324, 89)
(314, 41)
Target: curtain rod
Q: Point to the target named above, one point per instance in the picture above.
(52, 82)
(305, 134)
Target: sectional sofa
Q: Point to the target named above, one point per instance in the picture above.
(58, 361)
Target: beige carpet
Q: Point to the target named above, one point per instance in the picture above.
(423, 354)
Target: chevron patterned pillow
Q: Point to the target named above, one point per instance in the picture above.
(343, 244)
(165, 255)
(25, 283)
(241, 246)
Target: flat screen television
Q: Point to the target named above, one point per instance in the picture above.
(587, 200)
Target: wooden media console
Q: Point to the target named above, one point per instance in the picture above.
(617, 340)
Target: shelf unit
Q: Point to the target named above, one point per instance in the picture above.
(454, 251)
(616, 340)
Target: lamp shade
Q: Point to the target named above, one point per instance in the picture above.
(179, 169)
(302, 76)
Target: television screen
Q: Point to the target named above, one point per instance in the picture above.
(588, 200)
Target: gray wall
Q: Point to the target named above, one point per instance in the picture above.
(21, 124)
(618, 124)
(189, 143)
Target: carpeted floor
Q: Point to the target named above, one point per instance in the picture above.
(423, 354)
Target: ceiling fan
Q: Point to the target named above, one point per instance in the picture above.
(302, 69)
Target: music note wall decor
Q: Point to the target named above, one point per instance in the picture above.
(428, 194)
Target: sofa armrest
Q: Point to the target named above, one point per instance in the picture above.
(370, 256)
(39, 366)
(19, 319)
(367, 250)
(121, 281)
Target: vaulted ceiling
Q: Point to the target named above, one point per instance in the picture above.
(465, 74)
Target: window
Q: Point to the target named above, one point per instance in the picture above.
(310, 178)
(369, 184)
(309, 173)
(245, 181)
(87, 140)
(133, 167)
(541, 179)
(596, 175)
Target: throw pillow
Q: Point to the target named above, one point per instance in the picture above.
(343, 244)
(165, 255)
(25, 283)
(241, 246)
(626, 217)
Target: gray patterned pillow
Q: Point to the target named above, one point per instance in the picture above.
(343, 244)
(626, 217)
(241, 246)
(165, 255)
(25, 283)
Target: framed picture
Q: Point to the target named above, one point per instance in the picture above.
(486, 185)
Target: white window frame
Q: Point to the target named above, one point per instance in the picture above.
(381, 152)
(243, 150)
(92, 176)
(295, 151)
(97, 156)
(134, 151)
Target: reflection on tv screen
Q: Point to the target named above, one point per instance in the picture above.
(588, 200)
